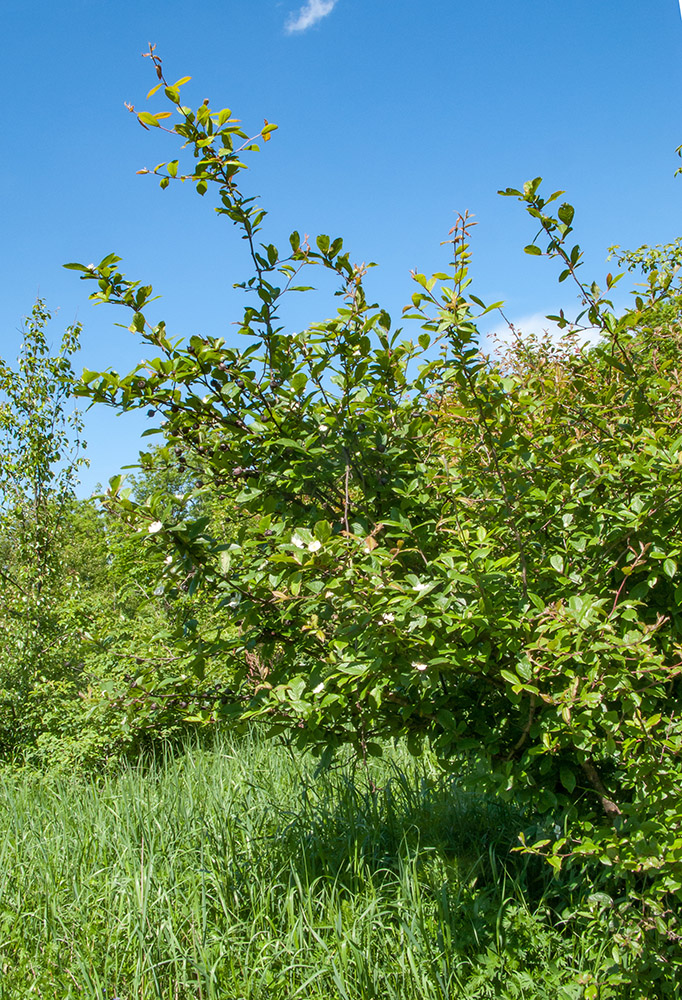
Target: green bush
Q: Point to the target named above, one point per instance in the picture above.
(433, 543)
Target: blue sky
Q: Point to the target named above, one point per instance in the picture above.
(392, 117)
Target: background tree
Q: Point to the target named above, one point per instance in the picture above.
(40, 454)
(78, 611)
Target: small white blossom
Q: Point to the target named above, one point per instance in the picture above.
(314, 545)
(319, 689)
(419, 666)
(155, 527)
(387, 618)
(297, 541)
(420, 586)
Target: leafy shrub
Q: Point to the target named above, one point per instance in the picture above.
(434, 543)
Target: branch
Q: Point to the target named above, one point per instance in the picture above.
(610, 808)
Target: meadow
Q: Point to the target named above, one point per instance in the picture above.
(235, 871)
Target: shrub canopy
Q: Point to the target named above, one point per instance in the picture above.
(427, 541)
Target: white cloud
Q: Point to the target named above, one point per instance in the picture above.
(534, 325)
(310, 13)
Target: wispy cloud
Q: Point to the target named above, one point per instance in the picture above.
(310, 13)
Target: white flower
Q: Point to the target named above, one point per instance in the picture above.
(155, 527)
(387, 618)
(420, 586)
(168, 560)
(419, 666)
(297, 541)
(319, 689)
(314, 545)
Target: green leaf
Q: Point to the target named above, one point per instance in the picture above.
(566, 213)
(322, 531)
(556, 562)
(148, 119)
(78, 267)
(670, 568)
(568, 779)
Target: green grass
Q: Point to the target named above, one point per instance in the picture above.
(236, 873)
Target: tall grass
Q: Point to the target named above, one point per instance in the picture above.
(236, 873)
